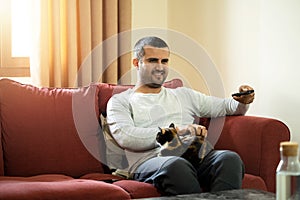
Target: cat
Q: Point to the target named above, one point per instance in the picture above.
(192, 148)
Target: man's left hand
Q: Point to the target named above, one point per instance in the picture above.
(245, 99)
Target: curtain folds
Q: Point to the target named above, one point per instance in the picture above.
(77, 42)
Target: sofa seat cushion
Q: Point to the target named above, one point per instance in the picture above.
(253, 182)
(32, 188)
(54, 185)
(38, 178)
(102, 177)
(138, 189)
(134, 188)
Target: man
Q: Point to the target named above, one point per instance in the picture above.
(135, 115)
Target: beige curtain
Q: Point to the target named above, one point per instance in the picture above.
(76, 42)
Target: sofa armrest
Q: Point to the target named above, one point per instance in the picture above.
(256, 140)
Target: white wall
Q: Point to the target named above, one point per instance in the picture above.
(151, 17)
(279, 62)
(253, 42)
(146, 14)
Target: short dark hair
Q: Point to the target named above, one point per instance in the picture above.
(153, 41)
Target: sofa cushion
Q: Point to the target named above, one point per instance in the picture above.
(102, 177)
(253, 182)
(38, 178)
(134, 188)
(42, 129)
(138, 189)
(72, 189)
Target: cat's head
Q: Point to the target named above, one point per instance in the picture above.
(166, 134)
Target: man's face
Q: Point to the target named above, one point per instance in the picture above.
(153, 67)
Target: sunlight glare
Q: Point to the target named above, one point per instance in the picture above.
(20, 17)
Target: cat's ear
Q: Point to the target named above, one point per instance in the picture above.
(161, 130)
(172, 125)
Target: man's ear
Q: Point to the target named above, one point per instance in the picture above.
(135, 62)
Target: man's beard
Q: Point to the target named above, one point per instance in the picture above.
(156, 82)
(154, 85)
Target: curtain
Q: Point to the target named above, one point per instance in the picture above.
(77, 42)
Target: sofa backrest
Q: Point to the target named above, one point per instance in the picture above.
(54, 130)
(42, 129)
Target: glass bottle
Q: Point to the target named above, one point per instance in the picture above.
(288, 172)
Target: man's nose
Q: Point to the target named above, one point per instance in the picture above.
(159, 66)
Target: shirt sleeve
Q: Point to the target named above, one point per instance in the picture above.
(122, 126)
(210, 106)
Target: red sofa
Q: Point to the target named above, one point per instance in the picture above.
(52, 147)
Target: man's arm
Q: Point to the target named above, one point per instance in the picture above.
(210, 106)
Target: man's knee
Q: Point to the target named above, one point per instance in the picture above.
(177, 164)
(177, 176)
(178, 168)
(231, 160)
(229, 171)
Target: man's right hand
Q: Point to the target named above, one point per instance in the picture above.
(193, 130)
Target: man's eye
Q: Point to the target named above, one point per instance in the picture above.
(152, 60)
(164, 61)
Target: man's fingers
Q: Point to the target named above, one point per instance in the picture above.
(244, 88)
(201, 131)
(194, 130)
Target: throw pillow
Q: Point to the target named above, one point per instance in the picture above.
(115, 155)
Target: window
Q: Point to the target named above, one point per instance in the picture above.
(14, 38)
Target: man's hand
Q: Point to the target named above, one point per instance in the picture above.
(245, 99)
(193, 130)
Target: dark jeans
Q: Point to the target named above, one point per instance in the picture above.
(220, 170)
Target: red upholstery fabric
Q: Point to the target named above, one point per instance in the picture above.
(101, 177)
(134, 188)
(138, 190)
(38, 131)
(74, 189)
(251, 181)
(38, 178)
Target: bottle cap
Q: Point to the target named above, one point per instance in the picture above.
(289, 148)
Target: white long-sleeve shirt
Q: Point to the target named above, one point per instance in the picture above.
(134, 117)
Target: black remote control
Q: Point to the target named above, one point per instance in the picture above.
(243, 93)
